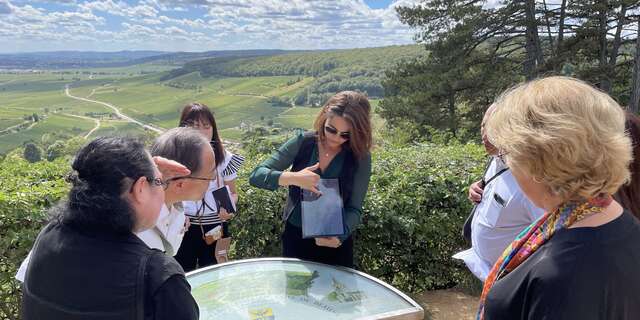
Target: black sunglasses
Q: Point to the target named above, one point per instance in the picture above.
(334, 131)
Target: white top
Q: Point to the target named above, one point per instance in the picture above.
(497, 223)
(168, 232)
(207, 210)
(171, 224)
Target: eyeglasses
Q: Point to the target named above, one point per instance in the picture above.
(158, 183)
(502, 155)
(190, 177)
(334, 131)
(197, 125)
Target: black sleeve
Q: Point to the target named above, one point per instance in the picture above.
(173, 300)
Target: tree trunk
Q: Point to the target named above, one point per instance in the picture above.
(563, 15)
(557, 49)
(605, 81)
(453, 121)
(534, 57)
(635, 91)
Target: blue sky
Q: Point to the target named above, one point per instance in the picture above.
(199, 25)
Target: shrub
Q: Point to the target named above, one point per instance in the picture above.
(413, 213)
(32, 153)
(55, 150)
(26, 191)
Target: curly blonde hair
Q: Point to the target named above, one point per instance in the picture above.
(564, 134)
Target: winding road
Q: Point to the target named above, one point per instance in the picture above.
(115, 109)
(97, 121)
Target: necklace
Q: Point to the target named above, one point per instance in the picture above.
(326, 153)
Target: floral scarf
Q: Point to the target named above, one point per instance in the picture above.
(535, 235)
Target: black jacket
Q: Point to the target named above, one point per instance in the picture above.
(82, 274)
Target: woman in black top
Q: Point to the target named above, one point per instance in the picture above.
(565, 144)
(203, 214)
(87, 263)
(339, 148)
(629, 194)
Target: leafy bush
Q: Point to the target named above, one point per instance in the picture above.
(414, 209)
(32, 153)
(26, 191)
(413, 213)
(55, 150)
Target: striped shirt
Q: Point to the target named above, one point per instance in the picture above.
(205, 211)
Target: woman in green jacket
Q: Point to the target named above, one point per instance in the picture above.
(338, 148)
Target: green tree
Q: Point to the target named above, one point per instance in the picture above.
(32, 153)
(55, 150)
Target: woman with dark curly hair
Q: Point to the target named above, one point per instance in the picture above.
(87, 263)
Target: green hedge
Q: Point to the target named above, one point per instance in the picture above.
(26, 191)
(416, 204)
(411, 226)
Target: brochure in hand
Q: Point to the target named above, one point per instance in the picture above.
(223, 199)
(322, 215)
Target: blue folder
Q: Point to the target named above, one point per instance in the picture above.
(322, 215)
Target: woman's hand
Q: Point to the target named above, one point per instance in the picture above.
(307, 179)
(475, 192)
(170, 168)
(331, 242)
(224, 215)
(187, 224)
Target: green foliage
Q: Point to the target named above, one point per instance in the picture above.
(413, 213)
(32, 153)
(477, 51)
(336, 70)
(26, 191)
(412, 219)
(55, 150)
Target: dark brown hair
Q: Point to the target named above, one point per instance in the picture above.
(200, 112)
(354, 107)
(629, 194)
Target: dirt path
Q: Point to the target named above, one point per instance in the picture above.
(116, 110)
(448, 304)
(7, 129)
(97, 121)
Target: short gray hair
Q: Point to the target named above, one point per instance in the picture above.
(183, 145)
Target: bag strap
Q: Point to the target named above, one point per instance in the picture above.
(503, 170)
(466, 227)
(140, 286)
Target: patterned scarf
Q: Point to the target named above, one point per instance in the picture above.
(535, 235)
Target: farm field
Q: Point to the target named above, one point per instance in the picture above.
(237, 102)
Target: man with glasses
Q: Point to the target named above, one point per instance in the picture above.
(187, 147)
(501, 211)
(191, 149)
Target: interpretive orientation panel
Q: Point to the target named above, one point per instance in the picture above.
(283, 289)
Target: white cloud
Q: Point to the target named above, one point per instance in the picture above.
(208, 24)
(120, 8)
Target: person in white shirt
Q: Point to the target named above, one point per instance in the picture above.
(502, 211)
(188, 147)
(191, 164)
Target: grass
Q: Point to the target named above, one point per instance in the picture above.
(60, 124)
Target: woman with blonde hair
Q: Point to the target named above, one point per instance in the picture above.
(565, 144)
(338, 148)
